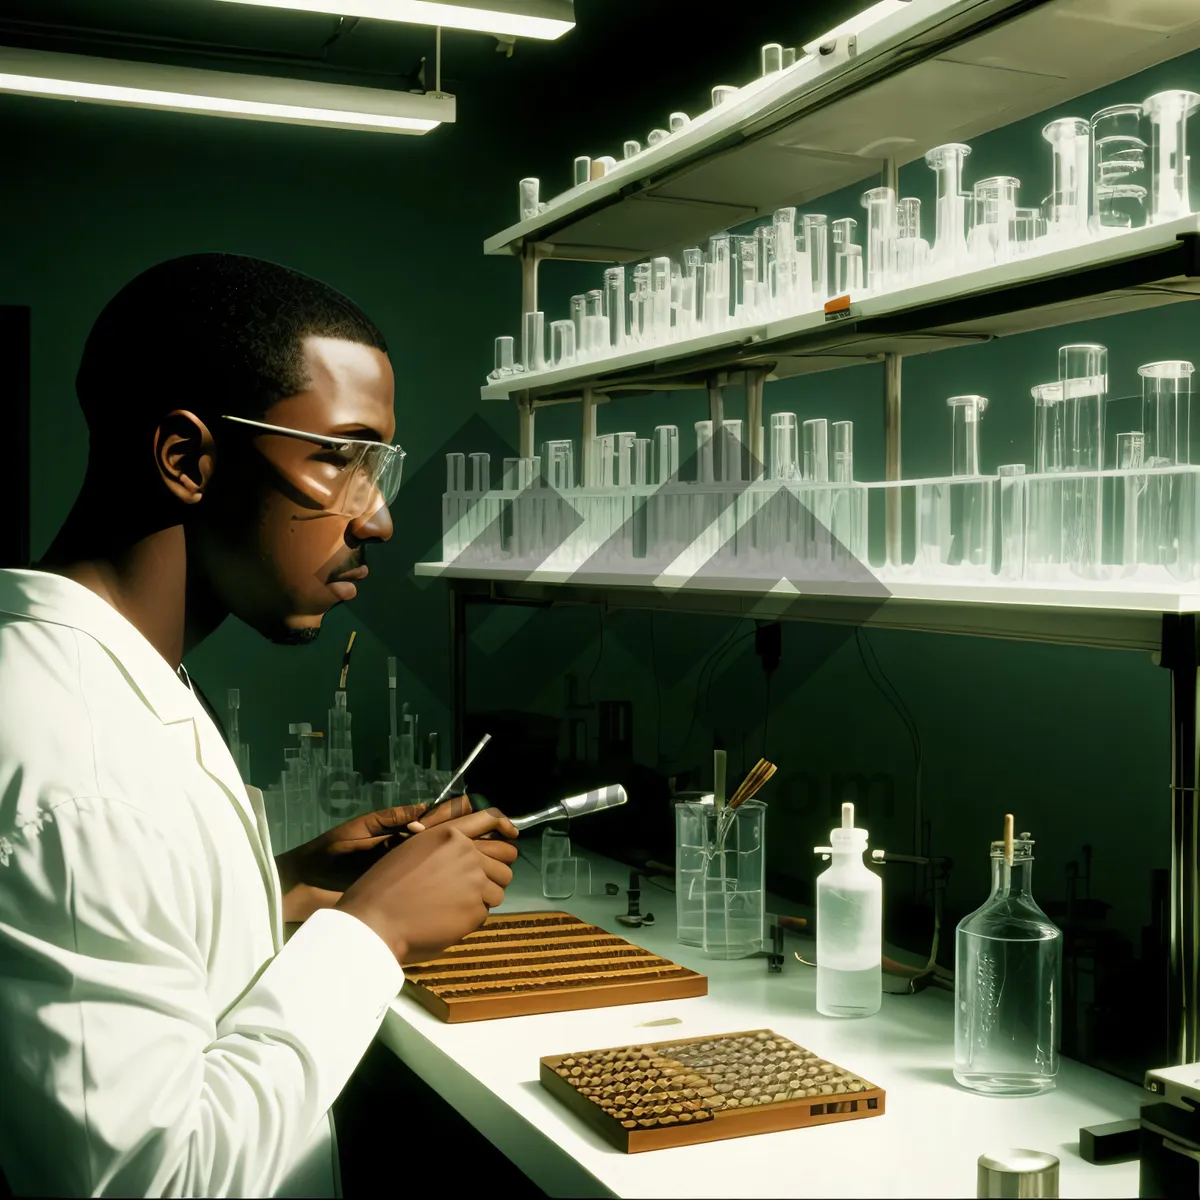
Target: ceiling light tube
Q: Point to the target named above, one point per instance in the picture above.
(545, 20)
(219, 93)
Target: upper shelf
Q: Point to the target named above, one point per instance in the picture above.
(1109, 618)
(938, 72)
(1140, 269)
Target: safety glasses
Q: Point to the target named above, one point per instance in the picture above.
(351, 477)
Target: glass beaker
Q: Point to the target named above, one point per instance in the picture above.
(528, 190)
(1083, 373)
(993, 237)
(582, 170)
(1119, 179)
(690, 824)
(533, 345)
(562, 342)
(558, 867)
(1170, 180)
(733, 880)
(950, 222)
(910, 251)
(816, 242)
(785, 447)
(1007, 983)
(880, 204)
(847, 258)
(969, 496)
(1166, 410)
(1070, 140)
(504, 358)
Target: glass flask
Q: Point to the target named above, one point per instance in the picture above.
(1007, 985)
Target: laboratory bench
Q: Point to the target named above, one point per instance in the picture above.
(927, 1142)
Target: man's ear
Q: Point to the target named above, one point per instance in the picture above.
(185, 455)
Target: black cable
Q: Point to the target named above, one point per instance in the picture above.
(766, 715)
(587, 687)
(704, 667)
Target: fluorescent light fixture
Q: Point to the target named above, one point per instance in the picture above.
(857, 24)
(248, 97)
(542, 19)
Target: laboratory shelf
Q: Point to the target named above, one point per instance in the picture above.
(1104, 617)
(936, 72)
(1127, 272)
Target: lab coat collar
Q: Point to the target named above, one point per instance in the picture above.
(41, 596)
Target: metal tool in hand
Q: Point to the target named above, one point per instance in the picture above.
(611, 796)
(457, 777)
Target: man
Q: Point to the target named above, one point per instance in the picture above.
(156, 1034)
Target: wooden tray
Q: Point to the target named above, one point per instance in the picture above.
(519, 964)
(668, 1070)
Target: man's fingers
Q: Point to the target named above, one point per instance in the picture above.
(497, 872)
(493, 894)
(448, 810)
(490, 820)
(501, 851)
(391, 820)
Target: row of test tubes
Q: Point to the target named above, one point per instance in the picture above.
(585, 169)
(1104, 172)
(1076, 513)
(639, 510)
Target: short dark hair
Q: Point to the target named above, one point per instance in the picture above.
(205, 329)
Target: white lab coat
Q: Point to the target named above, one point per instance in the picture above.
(156, 1035)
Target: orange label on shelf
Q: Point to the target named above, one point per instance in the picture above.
(838, 304)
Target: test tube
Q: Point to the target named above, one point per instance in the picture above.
(848, 262)
(624, 448)
(816, 450)
(704, 452)
(911, 250)
(559, 457)
(593, 303)
(785, 447)
(528, 194)
(602, 165)
(614, 305)
(583, 169)
(656, 136)
(604, 451)
(1049, 451)
(843, 451)
(456, 473)
(950, 221)
(533, 346)
(1170, 190)
(1012, 521)
(1070, 141)
(577, 308)
(481, 473)
(993, 237)
(504, 358)
(1118, 168)
(692, 286)
(678, 121)
(745, 275)
(772, 58)
(1166, 411)
(660, 297)
(595, 335)
(1083, 373)
(666, 454)
(641, 461)
(722, 94)
(631, 148)
(562, 342)
(965, 415)
(1030, 226)
(816, 242)
(1128, 501)
(732, 452)
(880, 204)
(716, 282)
(781, 273)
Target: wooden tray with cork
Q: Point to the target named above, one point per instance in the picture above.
(519, 964)
(679, 1093)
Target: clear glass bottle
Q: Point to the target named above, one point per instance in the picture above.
(1007, 973)
(849, 926)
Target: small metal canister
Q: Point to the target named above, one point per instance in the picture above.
(1014, 1174)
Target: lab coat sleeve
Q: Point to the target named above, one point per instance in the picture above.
(116, 1075)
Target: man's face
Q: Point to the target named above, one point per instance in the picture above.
(270, 548)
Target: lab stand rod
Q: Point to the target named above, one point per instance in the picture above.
(458, 670)
(529, 280)
(587, 438)
(525, 426)
(754, 419)
(891, 175)
(891, 441)
(1179, 654)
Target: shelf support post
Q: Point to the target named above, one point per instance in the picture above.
(587, 439)
(1180, 657)
(525, 425)
(891, 437)
(716, 414)
(531, 255)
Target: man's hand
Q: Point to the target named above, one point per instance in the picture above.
(433, 889)
(315, 875)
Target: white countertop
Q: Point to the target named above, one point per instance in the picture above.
(926, 1144)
